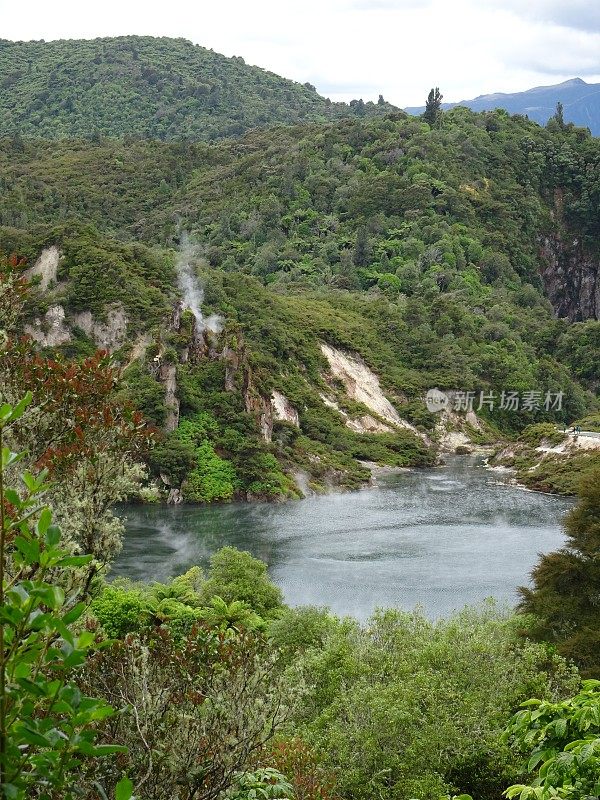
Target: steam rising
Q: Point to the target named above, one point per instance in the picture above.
(191, 291)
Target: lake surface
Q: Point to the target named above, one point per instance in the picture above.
(441, 538)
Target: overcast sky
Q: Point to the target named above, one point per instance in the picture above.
(354, 48)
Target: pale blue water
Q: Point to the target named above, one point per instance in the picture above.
(441, 538)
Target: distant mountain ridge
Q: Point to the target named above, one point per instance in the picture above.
(581, 103)
(151, 88)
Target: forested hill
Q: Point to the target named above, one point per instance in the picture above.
(147, 87)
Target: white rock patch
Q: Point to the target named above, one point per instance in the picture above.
(572, 443)
(51, 330)
(109, 335)
(453, 439)
(362, 385)
(46, 267)
(283, 410)
(368, 424)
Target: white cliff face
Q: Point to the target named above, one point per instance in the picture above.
(46, 267)
(51, 330)
(364, 424)
(55, 329)
(109, 335)
(283, 410)
(362, 385)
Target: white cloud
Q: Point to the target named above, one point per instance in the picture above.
(578, 14)
(353, 48)
(388, 5)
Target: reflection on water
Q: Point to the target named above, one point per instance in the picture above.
(441, 538)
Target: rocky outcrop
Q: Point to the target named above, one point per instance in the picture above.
(571, 278)
(454, 430)
(46, 267)
(175, 497)
(168, 377)
(239, 377)
(139, 347)
(368, 424)
(55, 329)
(233, 356)
(200, 345)
(362, 385)
(283, 410)
(258, 406)
(51, 330)
(109, 335)
(363, 424)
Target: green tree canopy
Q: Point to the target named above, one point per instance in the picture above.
(566, 585)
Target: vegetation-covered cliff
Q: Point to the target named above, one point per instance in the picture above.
(461, 254)
(420, 251)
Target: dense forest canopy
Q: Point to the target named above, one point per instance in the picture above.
(148, 87)
(419, 248)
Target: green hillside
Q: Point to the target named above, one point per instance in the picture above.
(415, 249)
(141, 86)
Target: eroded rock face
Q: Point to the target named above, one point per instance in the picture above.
(50, 330)
(452, 427)
(239, 376)
(141, 344)
(259, 407)
(368, 424)
(283, 410)
(175, 497)
(571, 279)
(109, 335)
(362, 385)
(168, 377)
(46, 267)
(364, 424)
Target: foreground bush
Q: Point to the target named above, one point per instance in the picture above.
(47, 725)
(566, 585)
(198, 709)
(563, 740)
(403, 707)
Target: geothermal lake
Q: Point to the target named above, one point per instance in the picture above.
(440, 538)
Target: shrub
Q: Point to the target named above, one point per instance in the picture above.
(121, 611)
(533, 435)
(566, 585)
(48, 731)
(237, 575)
(213, 479)
(563, 745)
